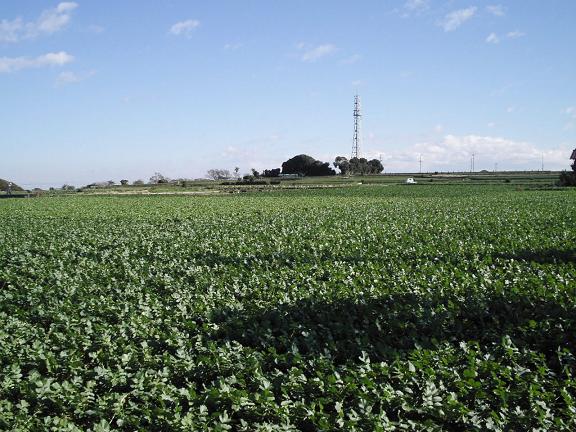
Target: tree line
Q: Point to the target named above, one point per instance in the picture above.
(305, 165)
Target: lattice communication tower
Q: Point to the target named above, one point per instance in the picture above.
(356, 140)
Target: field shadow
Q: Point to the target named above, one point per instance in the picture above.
(393, 325)
(546, 256)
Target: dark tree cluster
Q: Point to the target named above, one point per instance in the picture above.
(307, 166)
(275, 172)
(5, 185)
(568, 178)
(358, 166)
(271, 172)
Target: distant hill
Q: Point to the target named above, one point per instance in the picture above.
(4, 186)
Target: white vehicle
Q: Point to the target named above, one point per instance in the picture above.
(410, 180)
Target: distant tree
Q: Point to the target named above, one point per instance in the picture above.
(138, 182)
(5, 185)
(67, 187)
(218, 174)
(110, 183)
(158, 178)
(255, 173)
(342, 164)
(298, 164)
(237, 172)
(376, 166)
(306, 165)
(320, 169)
(271, 173)
(124, 182)
(568, 178)
(360, 166)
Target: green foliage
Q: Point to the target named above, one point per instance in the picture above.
(567, 178)
(306, 165)
(358, 166)
(5, 183)
(366, 308)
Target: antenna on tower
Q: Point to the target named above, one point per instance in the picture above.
(357, 137)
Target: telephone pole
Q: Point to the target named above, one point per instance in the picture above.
(420, 161)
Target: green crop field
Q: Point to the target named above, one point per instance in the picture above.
(427, 307)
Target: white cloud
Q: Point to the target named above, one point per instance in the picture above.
(233, 46)
(416, 5)
(454, 153)
(13, 64)
(570, 112)
(493, 38)
(515, 34)
(53, 20)
(69, 77)
(312, 54)
(184, 28)
(96, 29)
(50, 21)
(10, 30)
(496, 10)
(352, 59)
(259, 153)
(455, 19)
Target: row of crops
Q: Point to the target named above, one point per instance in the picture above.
(368, 308)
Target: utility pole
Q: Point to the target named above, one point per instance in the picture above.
(472, 163)
(420, 161)
(357, 133)
(542, 167)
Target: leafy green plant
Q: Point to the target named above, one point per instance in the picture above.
(380, 308)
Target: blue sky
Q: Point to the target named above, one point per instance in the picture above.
(100, 90)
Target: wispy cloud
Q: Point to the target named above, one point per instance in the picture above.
(14, 64)
(95, 29)
(233, 46)
(184, 28)
(515, 34)
(352, 59)
(417, 5)
(50, 21)
(493, 38)
(455, 19)
(314, 53)
(496, 10)
(453, 152)
(570, 112)
(69, 77)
